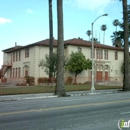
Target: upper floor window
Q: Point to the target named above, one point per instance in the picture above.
(19, 55)
(99, 53)
(26, 52)
(106, 54)
(13, 56)
(16, 56)
(79, 49)
(116, 55)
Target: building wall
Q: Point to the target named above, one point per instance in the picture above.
(113, 66)
(36, 53)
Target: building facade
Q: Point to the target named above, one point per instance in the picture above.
(21, 61)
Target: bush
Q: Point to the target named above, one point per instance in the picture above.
(52, 80)
(29, 80)
(47, 80)
(43, 80)
(69, 80)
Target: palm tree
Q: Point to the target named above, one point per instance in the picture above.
(126, 86)
(88, 33)
(60, 51)
(117, 39)
(95, 40)
(116, 23)
(50, 34)
(103, 28)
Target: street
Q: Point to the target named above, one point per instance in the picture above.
(89, 112)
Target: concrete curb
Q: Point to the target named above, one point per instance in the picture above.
(39, 96)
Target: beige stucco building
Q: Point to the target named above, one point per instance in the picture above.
(21, 61)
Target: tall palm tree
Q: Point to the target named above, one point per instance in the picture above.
(95, 40)
(50, 34)
(60, 51)
(117, 39)
(126, 86)
(116, 23)
(88, 33)
(103, 28)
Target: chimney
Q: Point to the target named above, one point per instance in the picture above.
(15, 44)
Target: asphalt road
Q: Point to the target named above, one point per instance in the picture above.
(90, 112)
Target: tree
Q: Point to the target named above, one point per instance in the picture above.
(103, 28)
(122, 67)
(50, 33)
(126, 86)
(117, 39)
(95, 40)
(49, 64)
(60, 90)
(88, 33)
(116, 23)
(118, 36)
(77, 63)
(0, 73)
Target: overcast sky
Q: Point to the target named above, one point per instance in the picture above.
(26, 21)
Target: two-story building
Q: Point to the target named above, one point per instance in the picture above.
(21, 61)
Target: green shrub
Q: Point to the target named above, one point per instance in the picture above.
(69, 80)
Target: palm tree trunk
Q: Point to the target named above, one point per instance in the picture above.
(60, 51)
(126, 47)
(50, 34)
(104, 38)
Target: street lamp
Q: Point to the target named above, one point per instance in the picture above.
(93, 88)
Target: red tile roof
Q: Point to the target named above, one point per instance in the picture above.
(74, 41)
(81, 42)
(40, 43)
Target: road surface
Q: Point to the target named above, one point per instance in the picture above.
(90, 112)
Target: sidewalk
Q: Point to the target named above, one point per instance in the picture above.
(51, 95)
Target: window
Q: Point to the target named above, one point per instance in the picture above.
(16, 56)
(19, 55)
(79, 49)
(13, 72)
(16, 73)
(106, 67)
(10, 73)
(106, 54)
(26, 52)
(19, 72)
(13, 56)
(116, 55)
(99, 53)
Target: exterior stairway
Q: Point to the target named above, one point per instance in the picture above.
(4, 69)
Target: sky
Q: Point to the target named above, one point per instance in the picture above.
(27, 21)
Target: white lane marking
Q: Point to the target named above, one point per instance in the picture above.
(125, 113)
(78, 99)
(39, 97)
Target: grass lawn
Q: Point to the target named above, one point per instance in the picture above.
(48, 89)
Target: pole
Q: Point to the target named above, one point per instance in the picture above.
(93, 66)
(92, 88)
